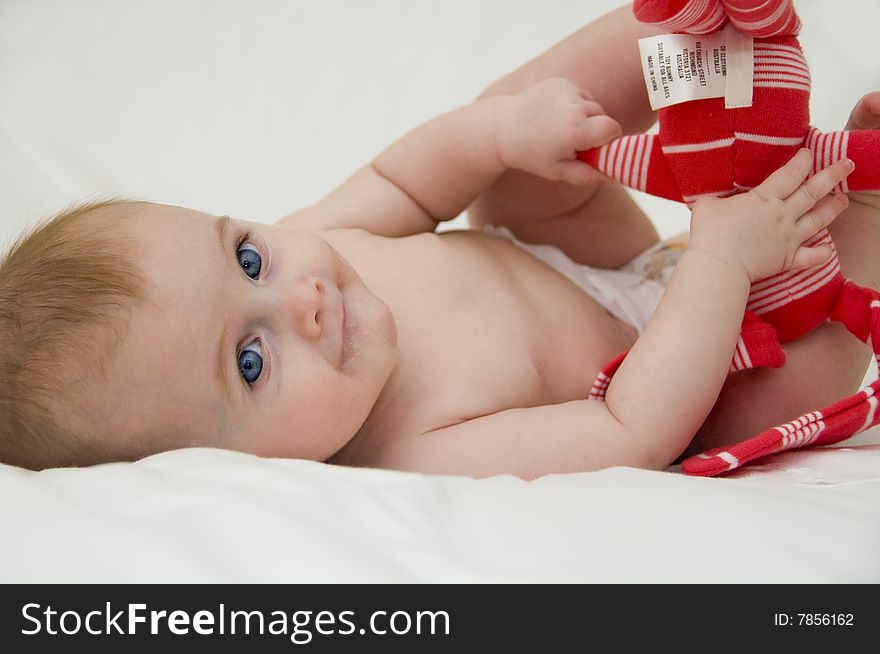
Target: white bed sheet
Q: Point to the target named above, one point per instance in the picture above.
(258, 108)
(218, 516)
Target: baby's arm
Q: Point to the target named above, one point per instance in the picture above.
(426, 177)
(597, 224)
(601, 57)
(668, 383)
(433, 173)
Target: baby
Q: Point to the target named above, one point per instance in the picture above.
(351, 332)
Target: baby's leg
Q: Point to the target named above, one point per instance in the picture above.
(827, 364)
(599, 224)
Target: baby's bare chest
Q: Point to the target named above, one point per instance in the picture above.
(484, 327)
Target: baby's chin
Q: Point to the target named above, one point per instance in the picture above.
(369, 321)
(370, 332)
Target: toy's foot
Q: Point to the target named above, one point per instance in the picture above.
(681, 15)
(858, 308)
(758, 346)
(762, 19)
(830, 425)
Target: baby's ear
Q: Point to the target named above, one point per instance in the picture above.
(691, 16)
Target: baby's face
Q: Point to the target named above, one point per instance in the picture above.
(256, 338)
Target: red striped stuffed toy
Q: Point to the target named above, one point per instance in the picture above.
(704, 148)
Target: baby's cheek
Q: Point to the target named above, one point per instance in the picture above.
(313, 417)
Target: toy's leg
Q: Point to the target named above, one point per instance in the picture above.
(796, 302)
(862, 146)
(859, 309)
(758, 346)
(821, 367)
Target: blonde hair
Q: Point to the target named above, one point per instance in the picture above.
(65, 285)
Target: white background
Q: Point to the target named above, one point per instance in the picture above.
(257, 108)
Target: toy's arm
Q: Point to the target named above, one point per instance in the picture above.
(637, 162)
(862, 146)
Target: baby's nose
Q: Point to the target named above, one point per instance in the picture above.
(308, 300)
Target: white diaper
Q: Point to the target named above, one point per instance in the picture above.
(630, 293)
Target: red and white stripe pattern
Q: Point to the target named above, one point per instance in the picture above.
(832, 424)
(862, 146)
(600, 386)
(773, 292)
(780, 66)
(828, 149)
(705, 146)
(757, 346)
(757, 18)
(872, 416)
(741, 358)
(801, 432)
(722, 455)
(627, 159)
(792, 435)
(769, 139)
(691, 16)
(763, 18)
(637, 162)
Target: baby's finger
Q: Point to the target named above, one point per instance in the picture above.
(811, 257)
(818, 186)
(595, 131)
(592, 108)
(576, 172)
(586, 95)
(820, 216)
(787, 179)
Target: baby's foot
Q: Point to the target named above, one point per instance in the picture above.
(866, 115)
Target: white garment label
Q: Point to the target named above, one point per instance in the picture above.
(740, 68)
(683, 67)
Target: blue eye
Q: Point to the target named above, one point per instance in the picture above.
(250, 260)
(250, 362)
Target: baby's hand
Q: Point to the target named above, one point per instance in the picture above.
(763, 231)
(541, 129)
